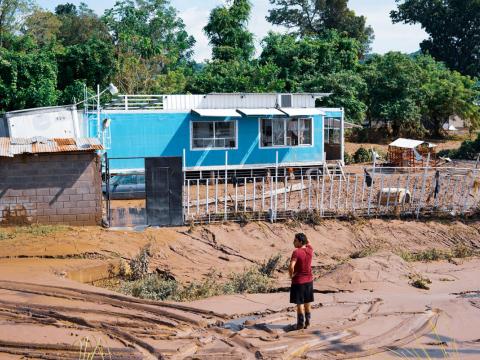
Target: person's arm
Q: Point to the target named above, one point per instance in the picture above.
(291, 268)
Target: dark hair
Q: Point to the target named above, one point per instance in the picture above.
(302, 238)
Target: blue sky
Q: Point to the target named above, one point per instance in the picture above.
(399, 37)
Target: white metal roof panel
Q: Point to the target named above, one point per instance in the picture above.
(302, 111)
(406, 143)
(261, 112)
(216, 112)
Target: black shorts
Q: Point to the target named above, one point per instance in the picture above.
(301, 293)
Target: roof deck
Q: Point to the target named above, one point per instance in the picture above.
(213, 101)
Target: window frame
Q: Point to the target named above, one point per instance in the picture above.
(285, 132)
(235, 124)
(330, 128)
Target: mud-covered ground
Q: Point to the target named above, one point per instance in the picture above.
(363, 307)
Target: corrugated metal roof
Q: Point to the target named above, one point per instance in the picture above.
(409, 143)
(10, 147)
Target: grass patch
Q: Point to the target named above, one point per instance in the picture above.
(457, 252)
(40, 230)
(5, 235)
(365, 252)
(157, 287)
(135, 280)
(420, 282)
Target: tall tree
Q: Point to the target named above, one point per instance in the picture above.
(12, 13)
(43, 25)
(303, 61)
(393, 93)
(150, 41)
(28, 75)
(454, 29)
(228, 33)
(314, 17)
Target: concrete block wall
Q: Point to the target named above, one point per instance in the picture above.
(51, 189)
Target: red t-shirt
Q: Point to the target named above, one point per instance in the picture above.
(303, 266)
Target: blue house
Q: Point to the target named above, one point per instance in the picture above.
(240, 132)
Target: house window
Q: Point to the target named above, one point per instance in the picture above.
(213, 134)
(332, 131)
(286, 132)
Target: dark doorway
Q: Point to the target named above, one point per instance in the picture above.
(164, 191)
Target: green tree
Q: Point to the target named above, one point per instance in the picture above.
(43, 25)
(11, 15)
(393, 93)
(314, 17)
(453, 26)
(236, 76)
(446, 93)
(304, 61)
(28, 76)
(150, 41)
(228, 33)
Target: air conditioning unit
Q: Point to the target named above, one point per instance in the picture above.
(286, 100)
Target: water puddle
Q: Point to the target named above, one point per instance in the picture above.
(239, 324)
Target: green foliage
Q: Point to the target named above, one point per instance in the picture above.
(11, 13)
(365, 252)
(348, 159)
(362, 155)
(303, 61)
(314, 18)
(28, 76)
(452, 27)
(40, 230)
(236, 76)
(139, 264)
(420, 282)
(468, 150)
(228, 33)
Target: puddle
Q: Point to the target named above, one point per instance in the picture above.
(239, 324)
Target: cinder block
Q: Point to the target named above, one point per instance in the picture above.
(29, 192)
(68, 218)
(83, 190)
(43, 192)
(89, 197)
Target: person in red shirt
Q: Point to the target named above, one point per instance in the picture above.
(300, 270)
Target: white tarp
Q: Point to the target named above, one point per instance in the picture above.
(302, 111)
(260, 112)
(216, 112)
(409, 143)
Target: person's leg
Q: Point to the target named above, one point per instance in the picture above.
(300, 316)
(308, 314)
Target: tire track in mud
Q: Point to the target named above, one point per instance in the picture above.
(144, 329)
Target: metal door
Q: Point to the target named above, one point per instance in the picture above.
(164, 187)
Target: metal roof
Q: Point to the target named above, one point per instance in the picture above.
(9, 147)
(409, 143)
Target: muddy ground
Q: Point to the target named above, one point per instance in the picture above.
(364, 307)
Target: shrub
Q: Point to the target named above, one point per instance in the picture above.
(467, 151)
(251, 281)
(362, 155)
(420, 282)
(139, 264)
(348, 159)
(365, 252)
(151, 287)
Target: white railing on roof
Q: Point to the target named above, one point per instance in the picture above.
(137, 102)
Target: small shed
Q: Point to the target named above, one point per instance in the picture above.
(50, 181)
(411, 153)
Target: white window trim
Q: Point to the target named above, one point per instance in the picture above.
(235, 122)
(260, 146)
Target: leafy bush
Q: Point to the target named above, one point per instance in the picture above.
(5, 235)
(348, 159)
(251, 281)
(469, 150)
(151, 287)
(362, 155)
(139, 264)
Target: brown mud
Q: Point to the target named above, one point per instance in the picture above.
(364, 307)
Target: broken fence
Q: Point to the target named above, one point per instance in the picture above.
(377, 192)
